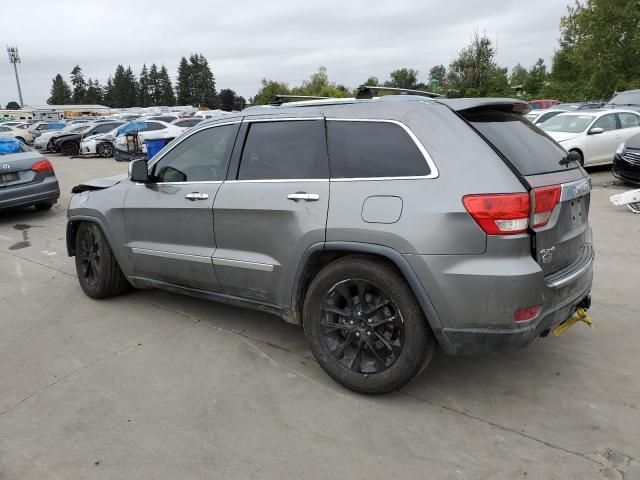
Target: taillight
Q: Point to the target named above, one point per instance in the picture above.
(42, 166)
(546, 200)
(527, 313)
(499, 213)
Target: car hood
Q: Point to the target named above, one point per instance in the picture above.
(99, 183)
(562, 136)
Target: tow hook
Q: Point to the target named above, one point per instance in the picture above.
(579, 316)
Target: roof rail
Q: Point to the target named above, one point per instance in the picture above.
(366, 92)
(280, 99)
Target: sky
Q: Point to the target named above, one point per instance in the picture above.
(246, 41)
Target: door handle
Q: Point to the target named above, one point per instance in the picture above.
(193, 196)
(307, 197)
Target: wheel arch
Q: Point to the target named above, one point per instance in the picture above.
(72, 228)
(580, 151)
(320, 254)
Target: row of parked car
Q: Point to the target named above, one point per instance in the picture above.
(104, 137)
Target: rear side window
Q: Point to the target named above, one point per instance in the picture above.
(373, 150)
(154, 126)
(527, 147)
(284, 150)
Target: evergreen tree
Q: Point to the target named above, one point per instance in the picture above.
(12, 106)
(60, 92)
(79, 85)
(146, 93)
(94, 94)
(227, 98)
(108, 93)
(132, 89)
(203, 82)
(183, 87)
(154, 85)
(518, 76)
(124, 89)
(166, 96)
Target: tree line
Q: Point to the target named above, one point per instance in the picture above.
(598, 53)
(195, 86)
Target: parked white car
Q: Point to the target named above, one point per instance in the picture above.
(25, 136)
(593, 134)
(539, 116)
(101, 145)
(147, 130)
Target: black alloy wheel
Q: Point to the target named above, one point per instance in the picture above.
(89, 257)
(362, 328)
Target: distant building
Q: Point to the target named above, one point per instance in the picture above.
(56, 112)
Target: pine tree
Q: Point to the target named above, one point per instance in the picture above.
(108, 93)
(183, 87)
(153, 85)
(146, 99)
(60, 92)
(132, 89)
(166, 96)
(94, 92)
(202, 82)
(79, 85)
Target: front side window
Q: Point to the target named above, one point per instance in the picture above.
(606, 122)
(373, 149)
(202, 157)
(284, 150)
(628, 120)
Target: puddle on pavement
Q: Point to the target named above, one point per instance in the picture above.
(23, 227)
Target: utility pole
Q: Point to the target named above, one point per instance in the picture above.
(14, 59)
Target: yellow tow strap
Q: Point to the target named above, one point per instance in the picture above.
(579, 316)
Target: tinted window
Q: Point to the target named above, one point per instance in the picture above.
(606, 122)
(373, 149)
(528, 148)
(628, 120)
(154, 126)
(105, 127)
(284, 150)
(187, 123)
(199, 158)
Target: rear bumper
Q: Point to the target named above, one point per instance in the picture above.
(24, 195)
(475, 296)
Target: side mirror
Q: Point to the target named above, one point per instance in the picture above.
(596, 130)
(138, 171)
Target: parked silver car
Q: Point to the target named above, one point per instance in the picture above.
(383, 226)
(26, 177)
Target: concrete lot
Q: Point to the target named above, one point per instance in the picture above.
(152, 385)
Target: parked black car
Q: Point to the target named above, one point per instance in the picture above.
(69, 143)
(626, 161)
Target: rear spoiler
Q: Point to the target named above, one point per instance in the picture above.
(505, 104)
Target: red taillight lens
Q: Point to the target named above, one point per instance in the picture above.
(546, 200)
(499, 213)
(527, 313)
(42, 166)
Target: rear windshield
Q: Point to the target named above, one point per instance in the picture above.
(527, 147)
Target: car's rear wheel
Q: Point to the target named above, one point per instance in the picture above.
(98, 271)
(44, 205)
(69, 149)
(365, 326)
(105, 150)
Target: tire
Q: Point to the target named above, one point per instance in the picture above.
(43, 205)
(69, 149)
(94, 254)
(408, 343)
(105, 150)
(580, 155)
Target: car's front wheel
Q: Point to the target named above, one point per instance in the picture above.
(98, 271)
(105, 150)
(69, 149)
(365, 326)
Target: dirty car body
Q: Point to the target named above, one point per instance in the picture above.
(490, 232)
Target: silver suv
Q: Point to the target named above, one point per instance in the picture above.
(383, 226)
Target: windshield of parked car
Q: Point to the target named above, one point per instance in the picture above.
(567, 123)
(625, 98)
